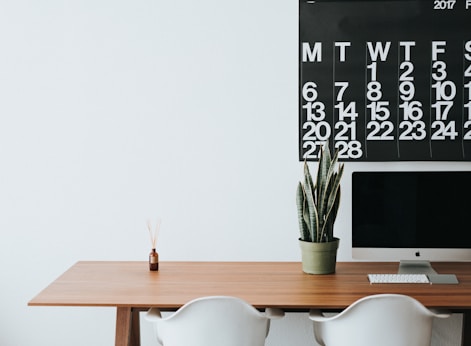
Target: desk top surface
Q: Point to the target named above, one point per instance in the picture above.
(263, 284)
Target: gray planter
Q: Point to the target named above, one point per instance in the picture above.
(319, 258)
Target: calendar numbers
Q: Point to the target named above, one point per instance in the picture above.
(378, 92)
(444, 4)
(346, 125)
(443, 94)
(411, 125)
(317, 129)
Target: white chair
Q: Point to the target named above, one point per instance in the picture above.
(213, 321)
(382, 319)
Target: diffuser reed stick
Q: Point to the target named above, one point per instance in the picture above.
(153, 256)
(153, 233)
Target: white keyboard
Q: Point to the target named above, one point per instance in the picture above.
(398, 279)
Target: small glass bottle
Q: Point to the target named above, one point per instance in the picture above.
(153, 260)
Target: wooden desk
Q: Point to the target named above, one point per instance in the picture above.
(131, 287)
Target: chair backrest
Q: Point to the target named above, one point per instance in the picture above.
(212, 321)
(383, 319)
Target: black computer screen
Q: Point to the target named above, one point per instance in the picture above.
(417, 210)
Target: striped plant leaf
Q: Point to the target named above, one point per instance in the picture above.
(318, 202)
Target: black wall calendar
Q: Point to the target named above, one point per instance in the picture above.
(385, 80)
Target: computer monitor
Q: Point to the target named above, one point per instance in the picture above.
(413, 217)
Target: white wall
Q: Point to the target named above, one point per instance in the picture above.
(113, 112)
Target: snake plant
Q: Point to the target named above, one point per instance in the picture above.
(318, 203)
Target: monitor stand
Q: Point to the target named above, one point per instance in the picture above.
(424, 267)
(415, 267)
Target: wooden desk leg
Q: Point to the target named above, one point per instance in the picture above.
(466, 334)
(127, 327)
(135, 328)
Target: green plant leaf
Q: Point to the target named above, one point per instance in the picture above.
(311, 215)
(300, 202)
(318, 201)
(333, 200)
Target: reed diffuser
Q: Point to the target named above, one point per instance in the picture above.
(153, 256)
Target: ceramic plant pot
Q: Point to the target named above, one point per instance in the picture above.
(319, 258)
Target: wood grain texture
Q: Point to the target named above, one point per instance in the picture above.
(131, 287)
(263, 284)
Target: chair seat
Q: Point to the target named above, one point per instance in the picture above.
(383, 319)
(213, 321)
